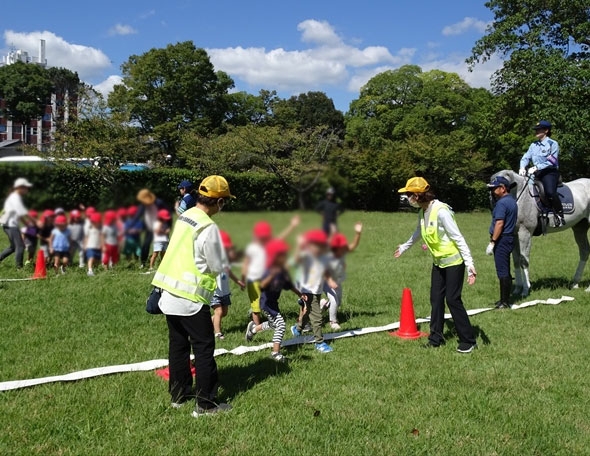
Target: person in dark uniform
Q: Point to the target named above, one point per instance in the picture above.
(330, 211)
(502, 233)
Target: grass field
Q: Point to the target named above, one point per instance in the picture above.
(525, 391)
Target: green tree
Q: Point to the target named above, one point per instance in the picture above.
(26, 90)
(307, 111)
(546, 74)
(169, 90)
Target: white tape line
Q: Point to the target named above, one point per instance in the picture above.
(17, 280)
(241, 350)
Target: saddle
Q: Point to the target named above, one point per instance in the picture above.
(538, 193)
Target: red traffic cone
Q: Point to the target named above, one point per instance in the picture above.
(40, 266)
(407, 321)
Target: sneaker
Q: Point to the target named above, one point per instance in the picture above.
(27, 263)
(323, 348)
(278, 357)
(250, 332)
(219, 336)
(465, 347)
(335, 326)
(501, 305)
(90, 273)
(324, 304)
(295, 331)
(306, 328)
(211, 411)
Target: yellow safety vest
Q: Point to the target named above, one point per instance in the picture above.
(444, 252)
(178, 273)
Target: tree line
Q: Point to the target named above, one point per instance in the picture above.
(175, 109)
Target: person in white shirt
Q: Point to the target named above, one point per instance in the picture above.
(14, 212)
(451, 256)
(161, 236)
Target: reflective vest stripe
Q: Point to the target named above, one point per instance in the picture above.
(177, 285)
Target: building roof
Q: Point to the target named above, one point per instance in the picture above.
(9, 143)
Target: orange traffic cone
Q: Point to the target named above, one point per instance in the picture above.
(407, 321)
(40, 266)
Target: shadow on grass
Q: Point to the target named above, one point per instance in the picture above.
(480, 334)
(239, 379)
(553, 283)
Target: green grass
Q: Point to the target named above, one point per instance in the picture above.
(524, 392)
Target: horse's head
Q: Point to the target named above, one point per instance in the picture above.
(516, 181)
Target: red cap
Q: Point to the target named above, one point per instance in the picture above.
(75, 214)
(274, 248)
(90, 210)
(316, 237)
(95, 217)
(164, 214)
(121, 212)
(132, 211)
(262, 230)
(338, 241)
(226, 240)
(110, 216)
(61, 220)
(48, 213)
(33, 213)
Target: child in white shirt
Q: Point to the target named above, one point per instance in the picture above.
(161, 236)
(93, 241)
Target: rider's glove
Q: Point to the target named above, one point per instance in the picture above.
(532, 170)
(522, 172)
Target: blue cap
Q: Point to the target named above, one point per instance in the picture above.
(499, 180)
(542, 125)
(185, 184)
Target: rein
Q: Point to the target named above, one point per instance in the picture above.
(526, 184)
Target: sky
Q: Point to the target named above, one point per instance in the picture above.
(287, 46)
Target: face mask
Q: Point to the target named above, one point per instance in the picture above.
(220, 204)
(413, 202)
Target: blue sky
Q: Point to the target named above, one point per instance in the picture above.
(292, 47)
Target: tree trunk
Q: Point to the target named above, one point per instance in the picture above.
(300, 194)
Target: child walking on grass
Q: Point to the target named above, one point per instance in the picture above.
(161, 236)
(314, 274)
(93, 241)
(222, 297)
(76, 228)
(339, 247)
(275, 280)
(59, 244)
(110, 241)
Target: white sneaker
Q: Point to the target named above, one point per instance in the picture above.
(220, 408)
(90, 273)
(324, 304)
(335, 326)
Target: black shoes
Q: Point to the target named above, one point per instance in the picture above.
(465, 347)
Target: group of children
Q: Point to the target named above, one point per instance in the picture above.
(320, 262)
(96, 238)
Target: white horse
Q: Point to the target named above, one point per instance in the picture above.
(528, 221)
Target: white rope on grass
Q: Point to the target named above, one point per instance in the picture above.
(19, 280)
(241, 350)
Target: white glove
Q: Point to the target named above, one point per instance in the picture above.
(490, 248)
(532, 170)
(522, 172)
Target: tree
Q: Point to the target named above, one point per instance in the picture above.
(167, 91)
(546, 74)
(307, 111)
(26, 90)
(65, 88)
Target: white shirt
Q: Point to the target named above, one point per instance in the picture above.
(150, 216)
(210, 258)
(93, 240)
(256, 255)
(447, 230)
(14, 209)
(110, 235)
(312, 273)
(157, 236)
(223, 288)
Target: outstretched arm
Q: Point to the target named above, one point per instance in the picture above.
(409, 243)
(292, 225)
(358, 229)
(235, 278)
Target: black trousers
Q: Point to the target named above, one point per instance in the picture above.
(550, 179)
(502, 251)
(148, 237)
(447, 283)
(195, 331)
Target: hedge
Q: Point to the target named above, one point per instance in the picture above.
(68, 186)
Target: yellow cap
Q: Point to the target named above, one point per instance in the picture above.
(415, 185)
(215, 187)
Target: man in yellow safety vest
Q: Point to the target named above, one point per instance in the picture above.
(450, 255)
(187, 279)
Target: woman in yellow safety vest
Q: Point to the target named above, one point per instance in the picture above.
(450, 254)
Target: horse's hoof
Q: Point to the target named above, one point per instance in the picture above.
(575, 286)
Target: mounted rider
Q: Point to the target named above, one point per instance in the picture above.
(544, 154)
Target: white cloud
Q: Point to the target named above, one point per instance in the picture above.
(147, 14)
(87, 61)
(479, 77)
(121, 30)
(106, 86)
(328, 60)
(467, 24)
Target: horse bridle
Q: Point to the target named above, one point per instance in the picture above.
(526, 184)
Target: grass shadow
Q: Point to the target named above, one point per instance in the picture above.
(239, 379)
(451, 333)
(552, 283)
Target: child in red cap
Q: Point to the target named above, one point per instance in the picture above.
(275, 279)
(93, 241)
(339, 247)
(110, 240)
(161, 236)
(314, 274)
(59, 244)
(222, 297)
(254, 264)
(76, 228)
(46, 226)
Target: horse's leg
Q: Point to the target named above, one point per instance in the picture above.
(517, 268)
(524, 240)
(581, 237)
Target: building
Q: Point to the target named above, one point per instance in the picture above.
(39, 133)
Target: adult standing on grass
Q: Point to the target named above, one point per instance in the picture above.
(14, 211)
(148, 212)
(188, 198)
(330, 210)
(187, 278)
(451, 256)
(502, 236)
